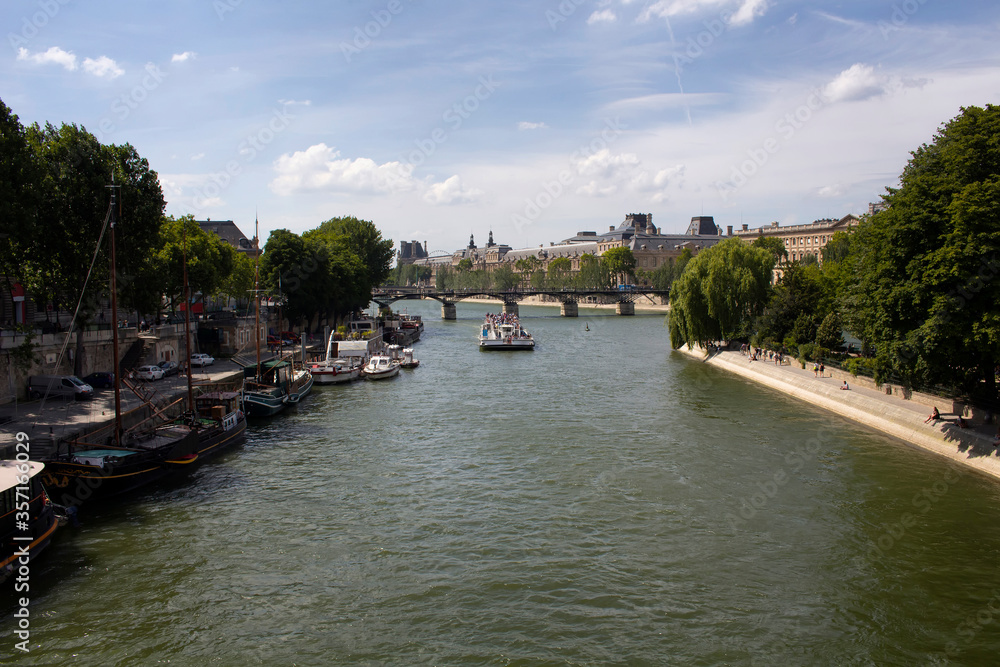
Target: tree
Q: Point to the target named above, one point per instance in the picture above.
(210, 260)
(720, 293)
(365, 241)
(620, 263)
(464, 265)
(18, 197)
(504, 277)
(560, 269)
(75, 170)
(593, 273)
(925, 291)
(774, 245)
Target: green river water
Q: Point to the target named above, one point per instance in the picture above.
(600, 500)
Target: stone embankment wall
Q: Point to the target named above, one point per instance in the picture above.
(890, 413)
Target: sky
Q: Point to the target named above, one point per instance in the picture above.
(534, 119)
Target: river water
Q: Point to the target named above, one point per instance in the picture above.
(600, 500)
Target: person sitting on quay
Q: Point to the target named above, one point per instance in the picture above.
(934, 416)
(996, 438)
(845, 386)
(961, 422)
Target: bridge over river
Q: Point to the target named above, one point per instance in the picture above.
(568, 297)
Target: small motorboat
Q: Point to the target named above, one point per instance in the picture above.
(380, 367)
(407, 360)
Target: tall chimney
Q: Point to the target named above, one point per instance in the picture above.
(729, 230)
(611, 228)
(745, 226)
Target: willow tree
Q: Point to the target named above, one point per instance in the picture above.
(926, 291)
(720, 293)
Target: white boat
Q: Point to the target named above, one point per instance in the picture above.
(380, 367)
(407, 360)
(335, 370)
(504, 332)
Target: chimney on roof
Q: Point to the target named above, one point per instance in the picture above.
(611, 228)
(729, 230)
(774, 224)
(745, 226)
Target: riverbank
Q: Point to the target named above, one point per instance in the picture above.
(891, 413)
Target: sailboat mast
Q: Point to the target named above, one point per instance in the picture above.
(114, 320)
(256, 290)
(187, 325)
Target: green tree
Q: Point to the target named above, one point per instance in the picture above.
(365, 241)
(620, 263)
(560, 270)
(210, 260)
(504, 277)
(720, 293)
(926, 292)
(774, 245)
(18, 197)
(464, 265)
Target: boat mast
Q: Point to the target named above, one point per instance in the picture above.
(114, 318)
(256, 290)
(187, 324)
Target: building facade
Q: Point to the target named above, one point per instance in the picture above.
(801, 240)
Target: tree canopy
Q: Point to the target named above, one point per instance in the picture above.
(720, 293)
(925, 292)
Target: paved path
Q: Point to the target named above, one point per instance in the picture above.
(890, 414)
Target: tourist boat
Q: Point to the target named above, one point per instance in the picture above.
(380, 367)
(407, 360)
(504, 332)
(334, 370)
(29, 519)
(111, 460)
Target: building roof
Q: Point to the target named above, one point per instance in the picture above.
(228, 232)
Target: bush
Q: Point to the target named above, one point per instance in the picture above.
(860, 366)
(807, 351)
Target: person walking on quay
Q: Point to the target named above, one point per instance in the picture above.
(815, 370)
(822, 369)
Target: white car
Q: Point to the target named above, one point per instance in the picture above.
(202, 360)
(149, 372)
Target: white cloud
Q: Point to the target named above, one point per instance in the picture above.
(197, 156)
(747, 11)
(831, 191)
(858, 82)
(183, 57)
(54, 56)
(604, 164)
(451, 191)
(288, 103)
(320, 168)
(666, 177)
(602, 16)
(103, 67)
(525, 125)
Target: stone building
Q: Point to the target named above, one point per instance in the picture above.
(801, 240)
(230, 233)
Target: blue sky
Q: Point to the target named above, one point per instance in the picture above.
(534, 119)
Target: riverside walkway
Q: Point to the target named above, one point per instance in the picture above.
(889, 413)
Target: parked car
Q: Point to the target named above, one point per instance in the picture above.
(273, 340)
(169, 368)
(101, 379)
(202, 360)
(149, 373)
(65, 386)
(290, 337)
